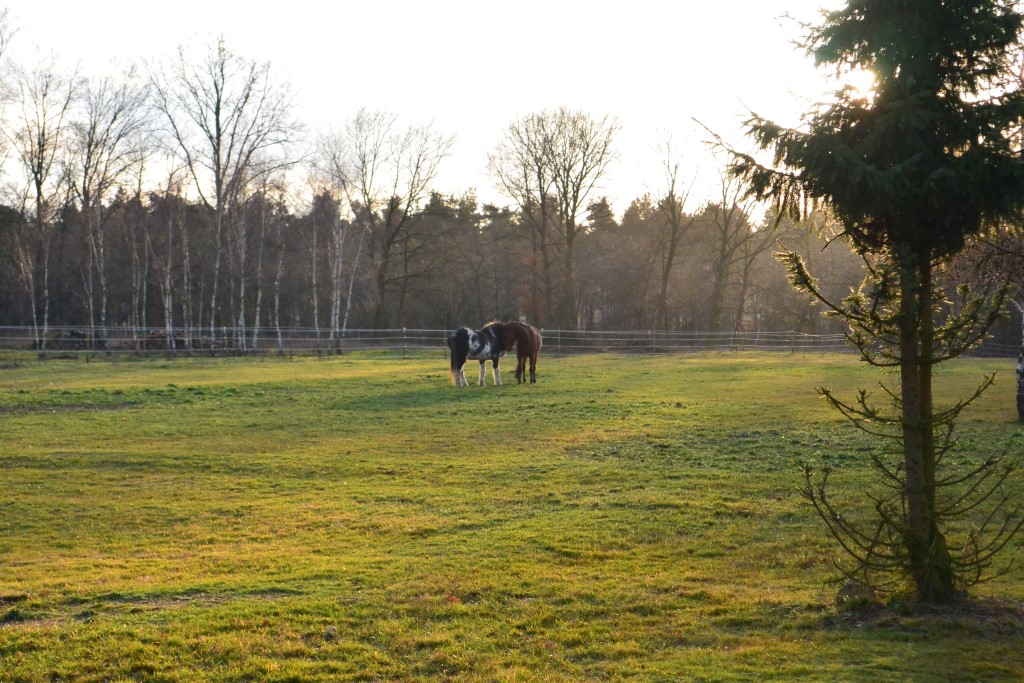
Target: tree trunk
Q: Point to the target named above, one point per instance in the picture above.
(166, 283)
(741, 299)
(315, 285)
(337, 261)
(278, 277)
(258, 304)
(96, 235)
(931, 565)
(381, 319)
(46, 294)
(1020, 383)
(27, 276)
(217, 243)
(101, 272)
(717, 303)
(667, 260)
(186, 276)
(542, 277)
(568, 313)
(352, 284)
(241, 220)
(88, 277)
(677, 230)
(1020, 365)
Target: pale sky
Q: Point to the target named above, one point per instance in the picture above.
(473, 66)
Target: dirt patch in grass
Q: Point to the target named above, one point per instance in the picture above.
(176, 600)
(978, 617)
(29, 410)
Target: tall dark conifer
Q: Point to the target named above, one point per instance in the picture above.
(912, 169)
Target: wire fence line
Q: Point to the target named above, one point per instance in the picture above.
(233, 341)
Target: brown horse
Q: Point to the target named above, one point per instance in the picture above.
(526, 340)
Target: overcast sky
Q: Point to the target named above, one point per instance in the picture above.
(471, 67)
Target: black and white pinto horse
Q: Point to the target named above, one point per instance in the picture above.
(482, 345)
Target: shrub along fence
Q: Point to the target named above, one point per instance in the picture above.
(119, 341)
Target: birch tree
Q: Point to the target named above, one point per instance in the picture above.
(167, 213)
(334, 198)
(385, 172)
(106, 150)
(41, 99)
(222, 112)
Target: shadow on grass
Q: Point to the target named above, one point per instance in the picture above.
(972, 640)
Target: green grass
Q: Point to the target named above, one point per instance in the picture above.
(358, 519)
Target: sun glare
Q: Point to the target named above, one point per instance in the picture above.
(861, 83)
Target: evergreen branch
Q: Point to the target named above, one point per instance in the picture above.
(868, 550)
(955, 507)
(893, 475)
(1006, 533)
(951, 414)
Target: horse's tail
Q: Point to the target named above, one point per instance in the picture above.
(458, 343)
(452, 354)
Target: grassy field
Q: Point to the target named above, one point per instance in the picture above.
(627, 518)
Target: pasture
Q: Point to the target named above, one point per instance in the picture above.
(626, 518)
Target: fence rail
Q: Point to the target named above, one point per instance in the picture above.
(65, 341)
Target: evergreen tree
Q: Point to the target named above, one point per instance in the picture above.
(910, 170)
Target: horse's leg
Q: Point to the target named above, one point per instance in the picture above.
(482, 370)
(537, 342)
(521, 368)
(460, 377)
(497, 373)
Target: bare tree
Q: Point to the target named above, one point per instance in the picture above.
(42, 96)
(253, 231)
(222, 112)
(549, 163)
(996, 260)
(735, 243)
(676, 226)
(268, 202)
(169, 216)
(385, 173)
(580, 156)
(136, 237)
(279, 244)
(106, 149)
(520, 166)
(7, 30)
(334, 194)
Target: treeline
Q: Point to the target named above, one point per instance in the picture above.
(190, 199)
(456, 263)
